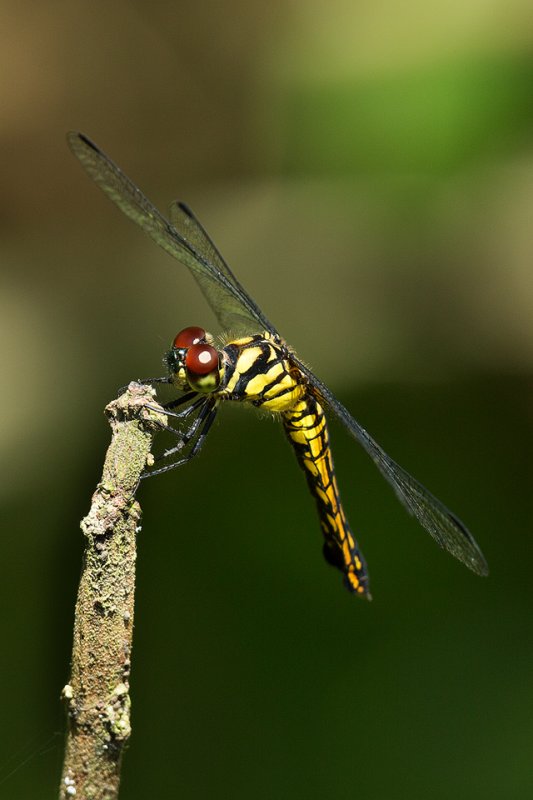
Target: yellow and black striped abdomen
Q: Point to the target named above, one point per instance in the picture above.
(305, 425)
(258, 370)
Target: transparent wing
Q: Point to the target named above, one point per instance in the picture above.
(231, 317)
(447, 529)
(186, 240)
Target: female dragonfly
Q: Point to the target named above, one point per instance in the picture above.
(256, 366)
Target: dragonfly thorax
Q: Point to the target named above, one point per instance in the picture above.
(258, 370)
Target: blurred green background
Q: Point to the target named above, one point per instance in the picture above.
(386, 152)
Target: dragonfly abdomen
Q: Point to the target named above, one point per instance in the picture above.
(305, 425)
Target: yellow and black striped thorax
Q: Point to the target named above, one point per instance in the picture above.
(257, 369)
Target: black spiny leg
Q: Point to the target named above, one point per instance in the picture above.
(180, 401)
(164, 379)
(195, 437)
(183, 414)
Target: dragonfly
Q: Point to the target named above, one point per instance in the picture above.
(254, 365)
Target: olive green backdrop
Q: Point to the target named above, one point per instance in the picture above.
(368, 173)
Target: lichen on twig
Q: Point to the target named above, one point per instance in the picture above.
(97, 694)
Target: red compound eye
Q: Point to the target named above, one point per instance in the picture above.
(201, 359)
(188, 337)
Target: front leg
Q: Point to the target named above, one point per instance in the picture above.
(186, 412)
(198, 430)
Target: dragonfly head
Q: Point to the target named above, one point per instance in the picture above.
(193, 362)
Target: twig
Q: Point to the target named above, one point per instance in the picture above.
(97, 694)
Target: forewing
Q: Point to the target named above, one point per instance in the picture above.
(232, 305)
(447, 529)
(230, 315)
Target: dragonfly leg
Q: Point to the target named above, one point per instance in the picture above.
(179, 414)
(197, 424)
(199, 429)
(179, 401)
(163, 427)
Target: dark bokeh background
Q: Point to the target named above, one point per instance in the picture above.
(368, 172)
